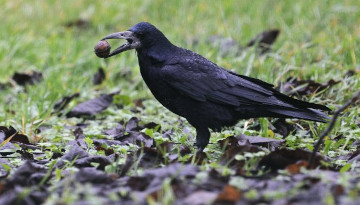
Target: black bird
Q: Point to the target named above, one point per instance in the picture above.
(197, 89)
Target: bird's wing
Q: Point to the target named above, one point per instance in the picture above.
(205, 81)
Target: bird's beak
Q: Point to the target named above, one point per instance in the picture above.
(132, 42)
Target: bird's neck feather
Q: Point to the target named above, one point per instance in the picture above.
(158, 53)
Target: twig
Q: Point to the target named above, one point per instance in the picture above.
(331, 125)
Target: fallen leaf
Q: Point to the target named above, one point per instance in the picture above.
(79, 138)
(261, 141)
(264, 39)
(167, 134)
(337, 190)
(234, 146)
(131, 133)
(137, 138)
(200, 197)
(152, 180)
(81, 158)
(63, 102)
(15, 136)
(78, 23)
(184, 150)
(229, 194)
(350, 73)
(30, 78)
(25, 155)
(99, 76)
(165, 147)
(107, 151)
(138, 183)
(26, 175)
(132, 124)
(94, 176)
(281, 158)
(215, 180)
(20, 138)
(117, 131)
(139, 103)
(26, 178)
(283, 128)
(17, 196)
(91, 107)
(143, 158)
(295, 168)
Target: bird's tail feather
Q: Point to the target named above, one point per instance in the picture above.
(306, 114)
(302, 104)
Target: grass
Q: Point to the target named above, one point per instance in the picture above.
(318, 40)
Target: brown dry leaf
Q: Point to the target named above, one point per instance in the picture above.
(78, 23)
(228, 194)
(337, 190)
(139, 103)
(2, 188)
(280, 159)
(295, 168)
(107, 151)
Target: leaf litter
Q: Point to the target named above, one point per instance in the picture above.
(252, 169)
(92, 107)
(189, 182)
(63, 102)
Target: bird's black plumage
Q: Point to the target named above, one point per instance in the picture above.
(207, 95)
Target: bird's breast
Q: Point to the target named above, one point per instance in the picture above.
(150, 72)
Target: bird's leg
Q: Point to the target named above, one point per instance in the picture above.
(202, 138)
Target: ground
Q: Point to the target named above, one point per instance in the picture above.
(126, 148)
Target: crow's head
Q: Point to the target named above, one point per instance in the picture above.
(141, 35)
